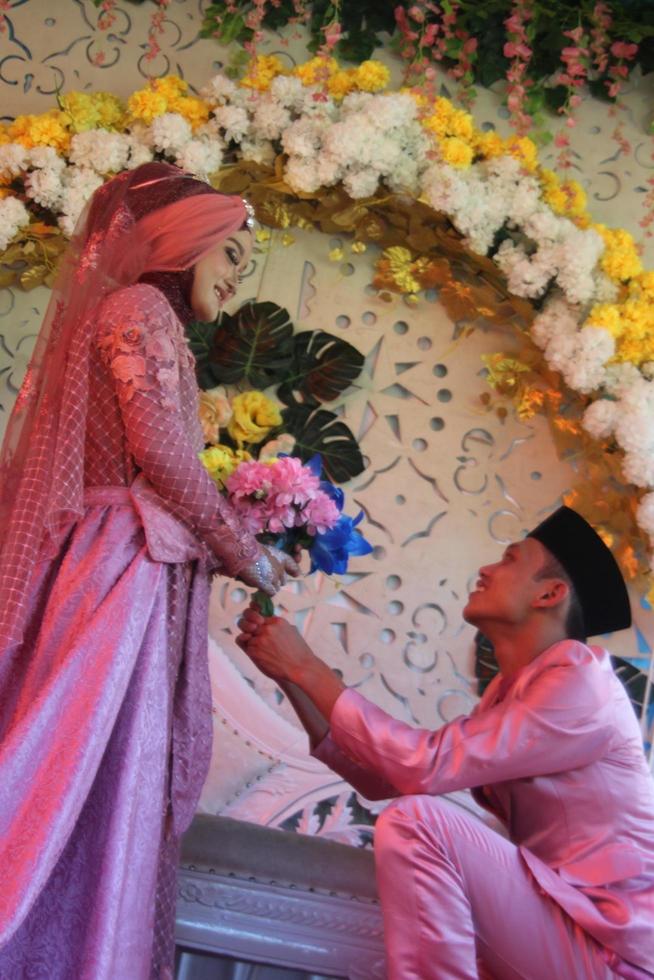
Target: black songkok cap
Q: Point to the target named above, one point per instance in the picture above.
(591, 567)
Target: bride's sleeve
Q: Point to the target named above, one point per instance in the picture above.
(137, 336)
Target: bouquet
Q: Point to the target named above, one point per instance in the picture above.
(284, 502)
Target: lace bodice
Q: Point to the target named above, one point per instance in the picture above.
(143, 417)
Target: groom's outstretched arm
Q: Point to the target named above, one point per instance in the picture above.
(312, 688)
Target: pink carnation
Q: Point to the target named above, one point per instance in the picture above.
(321, 514)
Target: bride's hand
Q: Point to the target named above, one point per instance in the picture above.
(268, 572)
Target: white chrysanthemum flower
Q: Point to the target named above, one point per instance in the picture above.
(605, 290)
(645, 514)
(45, 187)
(200, 157)
(302, 175)
(618, 378)
(445, 188)
(13, 216)
(634, 432)
(235, 122)
(579, 254)
(388, 111)
(139, 152)
(14, 159)
(46, 157)
(557, 319)
(218, 90)
(525, 275)
(170, 132)
(258, 150)
(586, 370)
(405, 176)
(362, 183)
(287, 91)
(541, 225)
(315, 103)
(270, 120)
(79, 185)
(600, 418)
(99, 150)
(329, 170)
(303, 138)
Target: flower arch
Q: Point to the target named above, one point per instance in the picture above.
(451, 207)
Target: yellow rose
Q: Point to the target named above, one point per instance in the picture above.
(221, 461)
(215, 412)
(254, 416)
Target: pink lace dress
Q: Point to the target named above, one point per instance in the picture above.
(107, 733)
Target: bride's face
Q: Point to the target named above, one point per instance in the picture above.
(217, 275)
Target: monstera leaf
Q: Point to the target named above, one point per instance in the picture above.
(322, 367)
(253, 346)
(318, 431)
(485, 662)
(633, 679)
(201, 340)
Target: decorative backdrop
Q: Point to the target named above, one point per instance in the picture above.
(448, 482)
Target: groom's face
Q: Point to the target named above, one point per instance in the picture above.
(505, 591)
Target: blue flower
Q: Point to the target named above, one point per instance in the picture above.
(330, 552)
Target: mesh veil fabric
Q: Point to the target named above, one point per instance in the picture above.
(154, 218)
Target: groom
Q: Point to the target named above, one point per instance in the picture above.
(553, 750)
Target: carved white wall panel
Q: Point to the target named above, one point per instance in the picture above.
(447, 483)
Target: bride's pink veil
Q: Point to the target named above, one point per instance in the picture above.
(153, 218)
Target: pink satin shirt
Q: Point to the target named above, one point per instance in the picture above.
(556, 754)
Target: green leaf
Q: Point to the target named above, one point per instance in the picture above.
(254, 346)
(201, 337)
(323, 366)
(318, 431)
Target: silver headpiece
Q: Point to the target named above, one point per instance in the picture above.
(251, 216)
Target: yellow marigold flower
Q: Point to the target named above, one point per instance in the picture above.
(48, 129)
(261, 71)
(221, 461)
(170, 86)
(146, 104)
(254, 416)
(111, 110)
(490, 145)
(620, 260)
(372, 76)
(81, 110)
(524, 150)
(316, 70)
(461, 124)
(564, 197)
(194, 110)
(341, 83)
(455, 152)
(439, 120)
(607, 315)
(646, 282)
(4, 134)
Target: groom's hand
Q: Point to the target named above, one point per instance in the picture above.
(274, 646)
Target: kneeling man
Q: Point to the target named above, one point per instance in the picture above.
(553, 749)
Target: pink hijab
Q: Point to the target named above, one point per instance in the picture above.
(153, 218)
